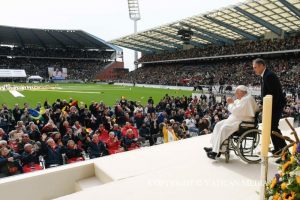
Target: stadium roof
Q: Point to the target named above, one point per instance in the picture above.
(50, 38)
(246, 21)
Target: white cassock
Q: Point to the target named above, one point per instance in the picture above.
(241, 110)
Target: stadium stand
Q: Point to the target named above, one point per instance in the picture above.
(77, 69)
(34, 50)
(234, 72)
(194, 50)
(276, 45)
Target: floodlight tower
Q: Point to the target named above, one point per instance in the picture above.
(134, 15)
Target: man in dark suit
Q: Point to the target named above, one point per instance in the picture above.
(270, 85)
(96, 147)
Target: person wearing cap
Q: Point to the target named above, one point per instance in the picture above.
(18, 132)
(241, 109)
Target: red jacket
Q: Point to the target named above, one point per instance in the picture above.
(135, 131)
(113, 146)
(103, 135)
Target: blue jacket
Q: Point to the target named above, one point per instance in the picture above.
(52, 156)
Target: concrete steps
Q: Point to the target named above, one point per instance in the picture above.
(87, 183)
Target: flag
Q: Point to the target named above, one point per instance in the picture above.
(73, 103)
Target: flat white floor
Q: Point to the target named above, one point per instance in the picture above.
(177, 170)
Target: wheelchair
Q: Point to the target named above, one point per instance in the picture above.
(245, 142)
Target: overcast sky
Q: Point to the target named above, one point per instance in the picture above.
(107, 19)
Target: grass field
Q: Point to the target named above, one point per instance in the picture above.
(87, 93)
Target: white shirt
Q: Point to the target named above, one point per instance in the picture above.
(243, 109)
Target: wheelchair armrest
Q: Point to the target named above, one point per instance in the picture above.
(247, 124)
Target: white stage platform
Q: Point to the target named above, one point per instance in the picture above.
(177, 170)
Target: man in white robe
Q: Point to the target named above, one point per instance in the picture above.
(242, 109)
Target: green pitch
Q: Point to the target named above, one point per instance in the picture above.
(86, 93)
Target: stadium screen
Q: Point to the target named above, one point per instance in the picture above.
(57, 73)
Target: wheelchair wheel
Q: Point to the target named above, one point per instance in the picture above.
(226, 145)
(248, 146)
(227, 156)
(234, 145)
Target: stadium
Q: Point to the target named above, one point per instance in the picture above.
(209, 108)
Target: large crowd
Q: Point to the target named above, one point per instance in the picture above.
(269, 45)
(235, 72)
(68, 131)
(77, 69)
(55, 53)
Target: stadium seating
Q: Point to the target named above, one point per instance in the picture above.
(77, 69)
(34, 50)
(248, 47)
(234, 72)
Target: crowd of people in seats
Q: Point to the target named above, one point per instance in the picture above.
(292, 108)
(235, 72)
(77, 69)
(61, 132)
(246, 47)
(55, 53)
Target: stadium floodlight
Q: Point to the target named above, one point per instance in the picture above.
(134, 10)
(134, 15)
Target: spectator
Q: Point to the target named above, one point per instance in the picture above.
(169, 134)
(9, 162)
(130, 140)
(145, 134)
(30, 159)
(52, 152)
(113, 144)
(73, 153)
(96, 147)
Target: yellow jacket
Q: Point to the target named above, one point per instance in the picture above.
(165, 134)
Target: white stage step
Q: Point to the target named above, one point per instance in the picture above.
(87, 183)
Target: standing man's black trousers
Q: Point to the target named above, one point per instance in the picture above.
(278, 143)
